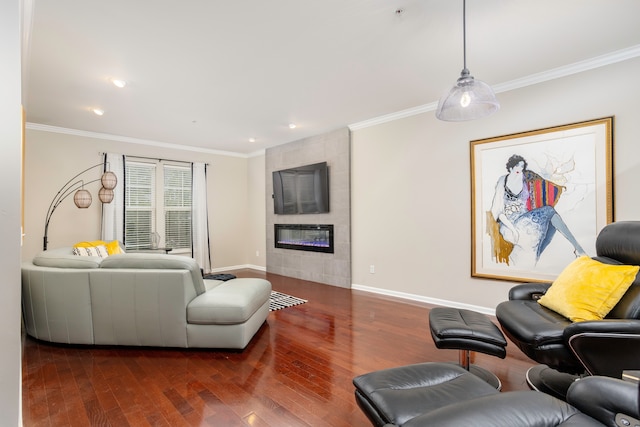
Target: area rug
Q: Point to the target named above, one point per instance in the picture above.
(278, 301)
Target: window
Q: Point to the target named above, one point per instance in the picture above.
(139, 210)
(157, 199)
(177, 206)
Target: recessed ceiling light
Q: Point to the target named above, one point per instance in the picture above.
(97, 111)
(292, 125)
(252, 140)
(119, 83)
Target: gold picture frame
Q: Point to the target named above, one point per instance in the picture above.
(539, 199)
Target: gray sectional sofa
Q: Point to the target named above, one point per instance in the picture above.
(138, 299)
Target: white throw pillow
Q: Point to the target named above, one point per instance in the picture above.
(99, 251)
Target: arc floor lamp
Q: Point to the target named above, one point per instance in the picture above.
(81, 197)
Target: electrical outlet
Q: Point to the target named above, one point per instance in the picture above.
(257, 253)
(372, 269)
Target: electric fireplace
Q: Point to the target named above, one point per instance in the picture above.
(304, 237)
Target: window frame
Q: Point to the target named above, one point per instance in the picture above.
(158, 207)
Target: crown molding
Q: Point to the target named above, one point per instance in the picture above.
(257, 153)
(533, 79)
(97, 135)
(575, 68)
(394, 116)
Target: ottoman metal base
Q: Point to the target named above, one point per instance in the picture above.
(486, 375)
(466, 330)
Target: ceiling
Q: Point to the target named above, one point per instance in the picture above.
(210, 75)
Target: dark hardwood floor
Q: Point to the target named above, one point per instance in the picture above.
(297, 371)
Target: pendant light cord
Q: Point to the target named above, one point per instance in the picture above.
(464, 33)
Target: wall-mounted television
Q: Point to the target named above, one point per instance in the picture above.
(301, 190)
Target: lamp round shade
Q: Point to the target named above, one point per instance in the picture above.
(105, 195)
(109, 180)
(82, 198)
(469, 99)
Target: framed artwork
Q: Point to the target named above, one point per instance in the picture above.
(539, 199)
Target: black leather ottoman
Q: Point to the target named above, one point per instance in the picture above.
(466, 330)
(396, 395)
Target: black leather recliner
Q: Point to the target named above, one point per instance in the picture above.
(444, 394)
(591, 402)
(569, 350)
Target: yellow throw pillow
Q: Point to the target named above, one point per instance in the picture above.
(112, 247)
(588, 289)
(89, 244)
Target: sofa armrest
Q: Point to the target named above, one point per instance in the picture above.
(603, 398)
(528, 291)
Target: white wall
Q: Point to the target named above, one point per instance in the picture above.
(256, 239)
(53, 158)
(411, 210)
(10, 171)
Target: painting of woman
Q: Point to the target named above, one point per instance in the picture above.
(523, 219)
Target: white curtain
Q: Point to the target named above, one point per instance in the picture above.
(113, 213)
(200, 217)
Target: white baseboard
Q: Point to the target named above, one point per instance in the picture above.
(420, 298)
(238, 267)
(395, 294)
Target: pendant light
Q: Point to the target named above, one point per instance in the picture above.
(82, 198)
(469, 99)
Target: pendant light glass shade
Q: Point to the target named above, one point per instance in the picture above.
(82, 198)
(469, 99)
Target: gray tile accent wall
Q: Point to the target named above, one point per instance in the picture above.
(331, 269)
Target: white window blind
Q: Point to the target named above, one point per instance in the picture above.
(177, 206)
(140, 204)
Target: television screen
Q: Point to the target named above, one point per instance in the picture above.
(301, 190)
